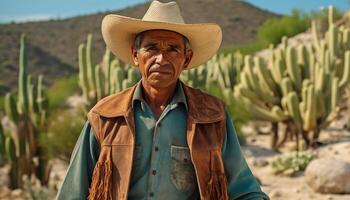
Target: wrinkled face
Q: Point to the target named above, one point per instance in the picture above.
(161, 57)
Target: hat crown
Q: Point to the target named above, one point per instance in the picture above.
(164, 12)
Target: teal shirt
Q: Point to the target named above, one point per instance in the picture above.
(161, 168)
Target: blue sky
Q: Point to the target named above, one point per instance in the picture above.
(29, 10)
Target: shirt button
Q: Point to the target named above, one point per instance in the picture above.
(156, 148)
(151, 194)
(154, 172)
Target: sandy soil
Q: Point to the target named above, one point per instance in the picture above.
(294, 188)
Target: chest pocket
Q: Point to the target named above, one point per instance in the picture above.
(182, 172)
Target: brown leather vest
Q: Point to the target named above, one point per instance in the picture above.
(112, 121)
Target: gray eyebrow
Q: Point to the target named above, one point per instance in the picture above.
(150, 44)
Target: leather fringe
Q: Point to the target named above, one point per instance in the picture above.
(101, 186)
(216, 188)
(217, 185)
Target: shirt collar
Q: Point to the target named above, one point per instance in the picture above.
(178, 97)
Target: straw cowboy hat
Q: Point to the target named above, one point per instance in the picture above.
(119, 32)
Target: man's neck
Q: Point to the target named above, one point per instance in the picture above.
(157, 98)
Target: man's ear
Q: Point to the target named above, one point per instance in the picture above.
(134, 56)
(188, 58)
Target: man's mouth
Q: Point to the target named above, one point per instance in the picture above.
(160, 69)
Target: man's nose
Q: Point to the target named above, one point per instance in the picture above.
(162, 58)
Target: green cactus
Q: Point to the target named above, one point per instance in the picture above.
(28, 119)
(291, 163)
(22, 80)
(310, 109)
(303, 83)
(293, 68)
(83, 77)
(11, 108)
(298, 86)
(89, 65)
(286, 86)
(10, 149)
(119, 75)
(346, 75)
(106, 78)
(100, 82)
(293, 109)
(264, 75)
(218, 76)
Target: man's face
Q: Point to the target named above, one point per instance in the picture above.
(161, 57)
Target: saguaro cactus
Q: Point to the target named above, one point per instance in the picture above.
(105, 78)
(299, 86)
(27, 119)
(221, 72)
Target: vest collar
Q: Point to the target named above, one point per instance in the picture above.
(177, 98)
(202, 108)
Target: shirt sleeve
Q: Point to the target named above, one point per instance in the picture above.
(241, 183)
(83, 160)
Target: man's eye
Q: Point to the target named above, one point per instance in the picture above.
(173, 49)
(152, 48)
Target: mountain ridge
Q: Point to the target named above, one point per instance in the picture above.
(58, 40)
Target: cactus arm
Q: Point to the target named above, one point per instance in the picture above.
(293, 108)
(22, 80)
(292, 68)
(10, 149)
(11, 108)
(264, 75)
(346, 75)
(100, 81)
(310, 112)
(90, 69)
(83, 74)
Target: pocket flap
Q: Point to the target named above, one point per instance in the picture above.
(180, 153)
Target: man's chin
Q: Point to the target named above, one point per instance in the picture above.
(161, 83)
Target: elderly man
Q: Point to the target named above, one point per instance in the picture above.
(159, 139)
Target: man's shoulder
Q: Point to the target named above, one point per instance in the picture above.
(115, 104)
(200, 95)
(204, 107)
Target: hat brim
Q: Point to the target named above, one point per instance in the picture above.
(119, 34)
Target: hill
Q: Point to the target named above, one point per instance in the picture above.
(53, 44)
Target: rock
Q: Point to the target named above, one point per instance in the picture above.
(328, 176)
(260, 162)
(275, 193)
(337, 151)
(329, 198)
(17, 193)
